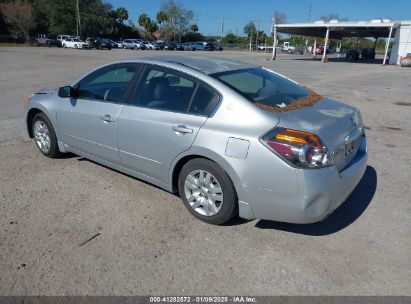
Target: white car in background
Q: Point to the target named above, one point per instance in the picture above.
(139, 44)
(74, 43)
(151, 45)
(61, 38)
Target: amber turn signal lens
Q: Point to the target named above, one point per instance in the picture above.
(300, 138)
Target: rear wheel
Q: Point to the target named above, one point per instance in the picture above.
(44, 136)
(207, 191)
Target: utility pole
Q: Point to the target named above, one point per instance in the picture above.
(78, 23)
(274, 33)
(256, 35)
(222, 28)
(309, 12)
(251, 34)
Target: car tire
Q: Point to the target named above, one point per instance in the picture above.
(64, 45)
(45, 139)
(75, 46)
(225, 209)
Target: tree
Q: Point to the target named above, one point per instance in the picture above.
(279, 17)
(330, 17)
(249, 28)
(149, 26)
(122, 15)
(194, 28)
(192, 36)
(161, 17)
(19, 14)
(178, 20)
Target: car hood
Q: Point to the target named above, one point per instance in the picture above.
(46, 91)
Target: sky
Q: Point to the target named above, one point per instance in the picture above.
(236, 13)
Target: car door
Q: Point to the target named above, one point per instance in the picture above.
(88, 123)
(161, 121)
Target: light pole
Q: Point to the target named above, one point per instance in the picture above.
(78, 23)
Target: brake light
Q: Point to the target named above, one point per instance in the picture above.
(298, 148)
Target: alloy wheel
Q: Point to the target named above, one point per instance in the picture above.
(42, 136)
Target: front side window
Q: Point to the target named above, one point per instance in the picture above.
(263, 87)
(107, 84)
(164, 89)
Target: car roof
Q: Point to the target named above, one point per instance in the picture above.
(207, 65)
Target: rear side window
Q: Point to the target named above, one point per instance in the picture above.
(204, 101)
(164, 89)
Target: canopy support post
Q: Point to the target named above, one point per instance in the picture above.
(274, 54)
(387, 45)
(325, 45)
(315, 48)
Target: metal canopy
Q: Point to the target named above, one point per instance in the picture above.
(338, 30)
(334, 29)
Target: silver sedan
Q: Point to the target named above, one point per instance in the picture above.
(231, 138)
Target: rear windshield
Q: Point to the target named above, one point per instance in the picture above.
(263, 87)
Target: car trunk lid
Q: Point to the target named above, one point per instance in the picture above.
(338, 125)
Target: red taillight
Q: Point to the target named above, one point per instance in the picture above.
(301, 149)
(281, 148)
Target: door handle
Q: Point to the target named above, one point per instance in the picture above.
(108, 118)
(182, 129)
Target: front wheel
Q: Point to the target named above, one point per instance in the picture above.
(44, 136)
(207, 191)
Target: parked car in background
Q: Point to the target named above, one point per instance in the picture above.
(368, 53)
(47, 40)
(320, 49)
(299, 50)
(113, 43)
(188, 46)
(288, 47)
(74, 43)
(119, 44)
(128, 44)
(352, 55)
(201, 46)
(139, 44)
(179, 46)
(61, 38)
(99, 43)
(161, 44)
(151, 45)
(230, 137)
(217, 47)
(169, 46)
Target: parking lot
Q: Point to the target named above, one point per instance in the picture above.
(146, 242)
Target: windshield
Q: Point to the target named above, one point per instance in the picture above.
(263, 87)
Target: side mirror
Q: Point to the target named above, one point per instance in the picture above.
(67, 91)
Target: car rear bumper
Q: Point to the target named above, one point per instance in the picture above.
(320, 192)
